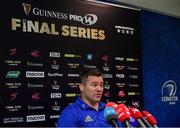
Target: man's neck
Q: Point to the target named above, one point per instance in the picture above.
(93, 105)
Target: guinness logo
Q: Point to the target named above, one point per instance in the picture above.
(27, 8)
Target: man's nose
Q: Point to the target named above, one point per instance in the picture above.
(99, 88)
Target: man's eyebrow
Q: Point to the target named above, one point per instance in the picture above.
(98, 82)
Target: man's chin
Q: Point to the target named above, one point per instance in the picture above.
(98, 99)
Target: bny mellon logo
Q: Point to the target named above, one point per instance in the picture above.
(27, 8)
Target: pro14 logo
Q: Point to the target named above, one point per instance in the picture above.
(88, 19)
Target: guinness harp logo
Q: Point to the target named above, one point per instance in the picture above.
(27, 8)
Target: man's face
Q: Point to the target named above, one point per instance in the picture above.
(93, 89)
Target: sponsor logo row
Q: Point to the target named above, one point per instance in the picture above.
(41, 74)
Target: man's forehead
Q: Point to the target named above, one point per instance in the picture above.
(95, 78)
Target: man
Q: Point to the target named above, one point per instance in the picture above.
(87, 111)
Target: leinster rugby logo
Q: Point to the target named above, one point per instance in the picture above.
(168, 92)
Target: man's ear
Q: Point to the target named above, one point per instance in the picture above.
(81, 87)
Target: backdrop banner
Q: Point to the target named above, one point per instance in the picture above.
(44, 47)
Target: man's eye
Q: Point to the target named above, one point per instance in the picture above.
(102, 85)
(94, 85)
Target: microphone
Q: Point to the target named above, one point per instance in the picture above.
(150, 118)
(136, 114)
(111, 116)
(112, 104)
(124, 115)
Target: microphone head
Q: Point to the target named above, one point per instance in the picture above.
(110, 114)
(149, 117)
(123, 113)
(135, 113)
(111, 104)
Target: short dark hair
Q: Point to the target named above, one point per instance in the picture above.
(89, 72)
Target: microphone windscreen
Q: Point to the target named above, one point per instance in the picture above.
(111, 104)
(110, 114)
(135, 113)
(149, 117)
(123, 113)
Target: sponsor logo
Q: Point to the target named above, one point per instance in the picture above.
(105, 67)
(13, 62)
(105, 58)
(35, 107)
(121, 94)
(54, 116)
(88, 19)
(131, 59)
(107, 93)
(133, 93)
(73, 85)
(35, 53)
(13, 96)
(107, 76)
(34, 64)
(73, 75)
(46, 13)
(89, 66)
(35, 118)
(27, 8)
(119, 58)
(72, 56)
(12, 51)
(34, 74)
(55, 107)
(13, 120)
(55, 54)
(55, 65)
(35, 96)
(132, 68)
(133, 76)
(89, 56)
(55, 86)
(168, 92)
(124, 30)
(120, 67)
(120, 85)
(13, 85)
(71, 94)
(13, 108)
(73, 65)
(120, 76)
(30, 85)
(106, 85)
(135, 104)
(133, 85)
(13, 74)
(55, 95)
(55, 75)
